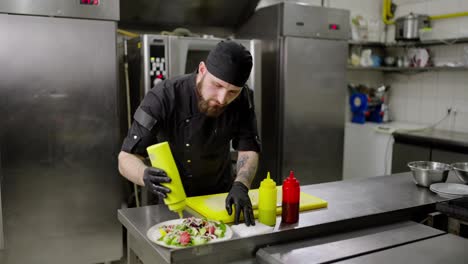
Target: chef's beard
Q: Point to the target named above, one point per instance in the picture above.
(204, 105)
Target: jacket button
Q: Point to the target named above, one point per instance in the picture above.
(135, 137)
(189, 176)
(188, 161)
(187, 145)
(187, 120)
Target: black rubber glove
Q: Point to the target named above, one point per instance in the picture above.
(238, 195)
(153, 177)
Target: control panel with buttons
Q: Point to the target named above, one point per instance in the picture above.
(158, 64)
(89, 2)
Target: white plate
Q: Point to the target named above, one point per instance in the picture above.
(448, 196)
(450, 189)
(153, 233)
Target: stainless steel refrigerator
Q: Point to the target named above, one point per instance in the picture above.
(59, 132)
(303, 89)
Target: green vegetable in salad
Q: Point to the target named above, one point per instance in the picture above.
(192, 231)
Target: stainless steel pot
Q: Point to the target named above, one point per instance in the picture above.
(407, 27)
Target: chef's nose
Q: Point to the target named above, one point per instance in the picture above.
(222, 96)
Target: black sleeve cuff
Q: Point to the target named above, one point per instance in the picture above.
(247, 144)
(138, 139)
(129, 143)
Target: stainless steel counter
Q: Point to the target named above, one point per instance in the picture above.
(351, 205)
(445, 249)
(435, 138)
(346, 245)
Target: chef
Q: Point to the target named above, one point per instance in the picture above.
(199, 115)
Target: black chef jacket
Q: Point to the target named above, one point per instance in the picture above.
(200, 144)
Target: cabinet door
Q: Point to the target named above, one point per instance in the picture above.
(404, 153)
(449, 157)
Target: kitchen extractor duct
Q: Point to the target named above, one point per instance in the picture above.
(184, 13)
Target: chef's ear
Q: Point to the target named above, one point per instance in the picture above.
(202, 68)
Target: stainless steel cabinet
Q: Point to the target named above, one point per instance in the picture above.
(59, 138)
(404, 153)
(448, 157)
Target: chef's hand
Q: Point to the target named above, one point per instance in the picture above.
(153, 177)
(238, 195)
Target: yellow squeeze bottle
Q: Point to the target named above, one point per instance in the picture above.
(267, 202)
(161, 157)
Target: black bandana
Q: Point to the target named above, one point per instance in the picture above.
(230, 62)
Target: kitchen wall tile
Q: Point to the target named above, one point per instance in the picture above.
(437, 7)
(460, 87)
(390, 35)
(441, 107)
(445, 86)
(429, 85)
(461, 106)
(398, 109)
(463, 5)
(445, 28)
(414, 87)
(413, 109)
(398, 88)
(366, 8)
(452, 52)
(369, 78)
(404, 9)
(436, 53)
(463, 24)
(405, 2)
(461, 123)
(428, 111)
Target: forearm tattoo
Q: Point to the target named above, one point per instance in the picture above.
(246, 168)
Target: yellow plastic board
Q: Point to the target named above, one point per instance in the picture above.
(213, 206)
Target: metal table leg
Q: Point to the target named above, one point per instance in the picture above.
(131, 256)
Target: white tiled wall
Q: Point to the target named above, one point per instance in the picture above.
(425, 97)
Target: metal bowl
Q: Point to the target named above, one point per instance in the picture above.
(426, 173)
(461, 169)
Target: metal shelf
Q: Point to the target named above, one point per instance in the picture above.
(409, 43)
(407, 69)
(366, 43)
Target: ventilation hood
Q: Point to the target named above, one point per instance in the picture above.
(183, 13)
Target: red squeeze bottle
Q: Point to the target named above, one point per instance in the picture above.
(291, 194)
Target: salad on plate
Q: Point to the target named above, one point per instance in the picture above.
(188, 232)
